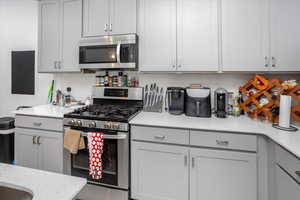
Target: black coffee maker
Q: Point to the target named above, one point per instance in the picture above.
(221, 103)
(174, 100)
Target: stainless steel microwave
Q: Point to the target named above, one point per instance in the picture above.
(109, 52)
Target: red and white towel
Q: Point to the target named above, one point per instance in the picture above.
(96, 142)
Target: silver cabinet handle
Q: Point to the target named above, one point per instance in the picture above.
(38, 140)
(55, 64)
(273, 61)
(222, 142)
(105, 27)
(33, 140)
(266, 61)
(110, 27)
(37, 124)
(298, 173)
(193, 162)
(158, 137)
(185, 160)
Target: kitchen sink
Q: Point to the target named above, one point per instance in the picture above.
(8, 193)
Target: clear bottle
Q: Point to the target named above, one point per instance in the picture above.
(68, 96)
(120, 79)
(125, 80)
(106, 79)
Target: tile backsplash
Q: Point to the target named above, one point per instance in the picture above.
(81, 83)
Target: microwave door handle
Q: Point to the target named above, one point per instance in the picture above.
(119, 53)
(198, 108)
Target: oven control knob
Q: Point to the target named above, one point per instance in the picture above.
(92, 125)
(79, 123)
(116, 126)
(72, 122)
(108, 125)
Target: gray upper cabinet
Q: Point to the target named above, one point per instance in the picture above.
(245, 45)
(178, 35)
(59, 34)
(285, 40)
(49, 37)
(71, 34)
(95, 17)
(107, 17)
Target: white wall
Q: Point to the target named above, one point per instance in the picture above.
(18, 22)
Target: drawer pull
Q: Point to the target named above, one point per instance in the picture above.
(38, 140)
(185, 160)
(298, 173)
(193, 162)
(37, 124)
(33, 140)
(222, 142)
(160, 137)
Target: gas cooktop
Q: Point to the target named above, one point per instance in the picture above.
(104, 112)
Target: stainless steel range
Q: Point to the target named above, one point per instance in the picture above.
(110, 113)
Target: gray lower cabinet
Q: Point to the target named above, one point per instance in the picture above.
(287, 188)
(159, 172)
(287, 175)
(39, 149)
(166, 166)
(217, 174)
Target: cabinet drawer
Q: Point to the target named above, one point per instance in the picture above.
(224, 140)
(162, 135)
(39, 123)
(288, 162)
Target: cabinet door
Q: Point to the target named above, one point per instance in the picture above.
(286, 187)
(285, 31)
(49, 35)
(198, 35)
(159, 172)
(157, 31)
(245, 35)
(123, 16)
(219, 175)
(50, 151)
(26, 153)
(95, 17)
(71, 34)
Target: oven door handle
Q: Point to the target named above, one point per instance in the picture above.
(116, 137)
(119, 53)
(110, 137)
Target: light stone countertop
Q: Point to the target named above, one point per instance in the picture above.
(47, 110)
(289, 140)
(43, 185)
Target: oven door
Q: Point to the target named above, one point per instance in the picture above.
(114, 160)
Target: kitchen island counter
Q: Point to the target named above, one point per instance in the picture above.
(41, 184)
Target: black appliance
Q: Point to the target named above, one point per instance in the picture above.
(109, 52)
(221, 103)
(198, 102)
(110, 113)
(7, 125)
(175, 100)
